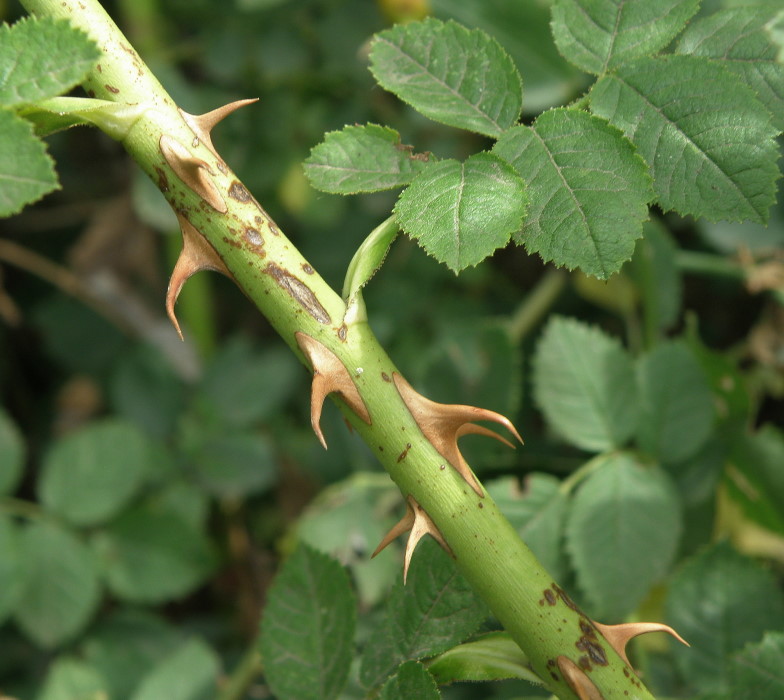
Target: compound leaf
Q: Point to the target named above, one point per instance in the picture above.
(367, 158)
(461, 213)
(584, 384)
(42, 57)
(738, 38)
(307, 633)
(26, 169)
(588, 189)
(451, 74)
(708, 140)
(598, 36)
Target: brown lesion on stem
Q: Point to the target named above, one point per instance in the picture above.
(329, 375)
(419, 523)
(197, 254)
(299, 291)
(194, 172)
(442, 424)
(577, 680)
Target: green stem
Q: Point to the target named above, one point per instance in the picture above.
(235, 687)
(296, 300)
(537, 304)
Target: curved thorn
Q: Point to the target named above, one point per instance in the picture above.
(203, 124)
(577, 680)
(197, 254)
(329, 375)
(442, 424)
(618, 636)
(419, 523)
(194, 172)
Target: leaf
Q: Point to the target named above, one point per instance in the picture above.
(460, 213)
(584, 384)
(307, 633)
(538, 513)
(235, 466)
(707, 139)
(588, 190)
(57, 113)
(126, 644)
(622, 533)
(435, 610)
(189, 673)
(367, 158)
(450, 74)
(26, 170)
(737, 37)
(599, 36)
(368, 258)
(61, 590)
(492, 657)
(72, 679)
(91, 475)
(152, 556)
(412, 680)
(42, 57)
(756, 672)
(775, 30)
(145, 389)
(11, 566)
(12, 454)
(719, 601)
(242, 386)
(756, 476)
(676, 404)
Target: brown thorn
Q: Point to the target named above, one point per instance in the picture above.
(194, 172)
(420, 524)
(197, 254)
(577, 680)
(329, 375)
(618, 636)
(203, 124)
(442, 424)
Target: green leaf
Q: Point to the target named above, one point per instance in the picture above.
(12, 454)
(235, 466)
(460, 213)
(42, 57)
(584, 384)
(72, 679)
(152, 556)
(775, 30)
(654, 269)
(588, 190)
(738, 38)
(189, 673)
(367, 158)
(450, 74)
(719, 601)
(622, 533)
(243, 386)
(11, 566)
(492, 657)
(411, 680)
(91, 475)
(709, 142)
(435, 610)
(145, 389)
(26, 170)
(676, 404)
(538, 513)
(756, 476)
(61, 589)
(756, 672)
(307, 633)
(126, 644)
(599, 36)
(369, 258)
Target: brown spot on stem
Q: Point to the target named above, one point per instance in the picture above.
(404, 453)
(299, 291)
(385, 377)
(549, 596)
(343, 332)
(307, 269)
(253, 236)
(112, 89)
(239, 192)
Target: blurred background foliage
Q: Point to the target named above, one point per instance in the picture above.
(163, 481)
